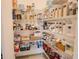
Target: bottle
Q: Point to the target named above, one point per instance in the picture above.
(23, 46)
(19, 27)
(72, 8)
(19, 16)
(16, 47)
(14, 26)
(14, 14)
(28, 46)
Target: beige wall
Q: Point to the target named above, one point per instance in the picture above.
(7, 32)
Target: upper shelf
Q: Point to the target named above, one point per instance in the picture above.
(65, 17)
(63, 1)
(58, 1)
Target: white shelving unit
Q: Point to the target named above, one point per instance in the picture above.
(64, 54)
(34, 49)
(66, 36)
(53, 47)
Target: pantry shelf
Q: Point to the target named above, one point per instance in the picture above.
(53, 47)
(29, 52)
(68, 39)
(51, 31)
(62, 18)
(32, 40)
(58, 50)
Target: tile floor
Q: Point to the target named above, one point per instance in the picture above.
(38, 56)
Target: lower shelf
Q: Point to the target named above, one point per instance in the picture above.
(29, 52)
(46, 55)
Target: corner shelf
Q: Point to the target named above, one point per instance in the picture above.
(58, 50)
